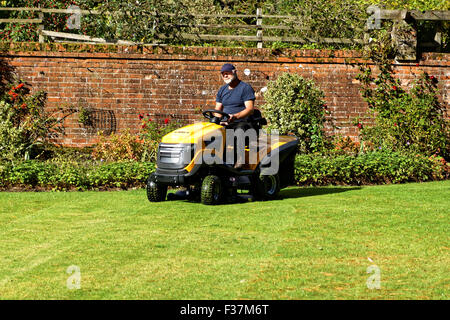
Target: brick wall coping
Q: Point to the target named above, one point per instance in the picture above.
(216, 54)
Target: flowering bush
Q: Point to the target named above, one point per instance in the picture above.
(411, 120)
(116, 147)
(152, 132)
(140, 147)
(344, 146)
(24, 124)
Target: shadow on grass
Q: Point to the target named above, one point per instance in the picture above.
(292, 192)
(300, 192)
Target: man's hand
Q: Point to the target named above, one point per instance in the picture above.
(219, 107)
(231, 118)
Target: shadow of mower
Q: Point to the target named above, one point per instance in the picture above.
(290, 193)
(300, 192)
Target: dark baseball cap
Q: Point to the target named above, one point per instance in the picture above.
(227, 67)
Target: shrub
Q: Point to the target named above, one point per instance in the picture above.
(24, 124)
(295, 105)
(151, 133)
(67, 175)
(405, 120)
(369, 168)
(140, 147)
(310, 169)
(116, 147)
(344, 146)
(63, 153)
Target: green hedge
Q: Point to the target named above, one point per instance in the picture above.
(370, 168)
(82, 176)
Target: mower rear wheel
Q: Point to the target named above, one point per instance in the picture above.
(266, 187)
(156, 192)
(212, 190)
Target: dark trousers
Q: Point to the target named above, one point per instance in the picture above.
(243, 125)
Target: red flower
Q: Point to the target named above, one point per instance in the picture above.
(395, 124)
(359, 125)
(144, 126)
(23, 106)
(141, 116)
(417, 64)
(166, 120)
(324, 105)
(149, 120)
(431, 77)
(394, 87)
(20, 86)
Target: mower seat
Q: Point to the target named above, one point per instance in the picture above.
(257, 120)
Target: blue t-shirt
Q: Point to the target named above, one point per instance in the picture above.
(233, 100)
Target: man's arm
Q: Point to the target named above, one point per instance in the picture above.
(249, 107)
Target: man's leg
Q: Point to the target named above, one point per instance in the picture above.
(239, 154)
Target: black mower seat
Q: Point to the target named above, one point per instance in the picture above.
(256, 119)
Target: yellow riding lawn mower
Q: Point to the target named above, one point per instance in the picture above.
(201, 158)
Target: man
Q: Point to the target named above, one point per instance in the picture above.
(236, 98)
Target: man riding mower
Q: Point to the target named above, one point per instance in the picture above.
(201, 158)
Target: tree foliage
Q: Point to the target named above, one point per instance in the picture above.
(148, 21)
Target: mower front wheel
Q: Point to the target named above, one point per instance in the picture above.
(212, 190)
(156, 192)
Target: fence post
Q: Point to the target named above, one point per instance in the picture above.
(404, 35)
(438, 36)
(41, 27)
(259, 31)
(366, 37)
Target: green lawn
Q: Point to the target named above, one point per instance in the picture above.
(315, 243)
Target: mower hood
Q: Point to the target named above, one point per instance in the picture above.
(193, 133)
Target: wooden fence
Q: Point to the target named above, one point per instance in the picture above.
(402, 19)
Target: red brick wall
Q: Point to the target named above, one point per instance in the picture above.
(119, 85)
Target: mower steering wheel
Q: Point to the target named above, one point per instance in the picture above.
(209, 114)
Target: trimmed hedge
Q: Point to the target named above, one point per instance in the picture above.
(371, 168)
(376, 167)
(71, 175)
